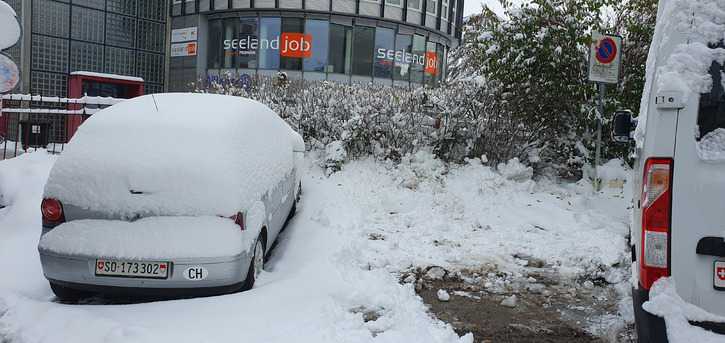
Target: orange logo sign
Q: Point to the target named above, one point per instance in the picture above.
(295, 45)
(431, 63)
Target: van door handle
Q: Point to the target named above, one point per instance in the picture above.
(711, 246)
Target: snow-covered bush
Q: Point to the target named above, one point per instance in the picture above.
(455, 121)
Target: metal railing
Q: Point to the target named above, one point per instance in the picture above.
(32, 122)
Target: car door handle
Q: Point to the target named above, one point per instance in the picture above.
(711, 246)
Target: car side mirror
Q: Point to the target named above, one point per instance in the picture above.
(622, 126)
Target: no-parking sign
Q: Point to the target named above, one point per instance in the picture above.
(605, 58)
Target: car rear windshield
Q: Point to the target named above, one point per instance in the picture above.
(712, 105)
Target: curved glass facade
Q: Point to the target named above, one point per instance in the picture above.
(400, 42)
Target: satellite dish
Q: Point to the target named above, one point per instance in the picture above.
(9, 26)
(9, 74)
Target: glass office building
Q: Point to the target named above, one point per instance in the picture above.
(122, 37)
(396, 42)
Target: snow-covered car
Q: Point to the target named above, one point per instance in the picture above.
(169, 195)
(678, 218)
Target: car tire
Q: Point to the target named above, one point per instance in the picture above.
(254, 265)
(66, 294)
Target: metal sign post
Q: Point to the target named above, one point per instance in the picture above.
(605, 59)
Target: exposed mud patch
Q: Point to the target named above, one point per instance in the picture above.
(537, 308)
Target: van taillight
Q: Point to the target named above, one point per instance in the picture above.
(52, 211)
(656, 215)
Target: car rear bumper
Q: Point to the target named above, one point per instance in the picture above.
(78, 272)
(651, 328)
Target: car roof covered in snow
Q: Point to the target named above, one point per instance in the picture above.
(174, 154)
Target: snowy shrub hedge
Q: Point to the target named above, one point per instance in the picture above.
(463, 119)
(455, 121)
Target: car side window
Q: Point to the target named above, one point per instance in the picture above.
(711, 115)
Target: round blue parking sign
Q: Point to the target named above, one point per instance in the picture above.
(606, 50)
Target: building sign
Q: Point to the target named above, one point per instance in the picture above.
(184, 35)
(400, 57)
(431, 63)
(289, 44)
(183, 49)
(605, 58)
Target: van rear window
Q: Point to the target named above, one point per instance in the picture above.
(712, 105)
(710, 133)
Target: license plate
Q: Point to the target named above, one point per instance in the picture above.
(133, 269)
(719, 275)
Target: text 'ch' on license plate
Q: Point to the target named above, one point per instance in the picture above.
(719, 275)
(133, 269)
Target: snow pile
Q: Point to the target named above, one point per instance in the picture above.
(21, 189)
(126, 159)
(665, 302)
(152, 238)
(712, 146)
(515, 170)
(613, 170)
(685, 68)
(9, 26)
(473, 216)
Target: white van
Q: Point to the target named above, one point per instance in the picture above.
(679, 197)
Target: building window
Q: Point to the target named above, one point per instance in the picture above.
(404, 57)
(150, 67)
(248, 43)
(120, 61)
(87, 24)
(49, 54)
(99, 4)
(432, 7)
(431, 64)
(444, 9)
(221, 4)
(417, 68)
(341, 55)
(214, 57)
(190, 7)
(51, 18)
(86, 57)
(320, 32)
(231, 34)
(120, 30)
(48, 84)
(204, 5)
(384, 53)
(397, 3)
(269, 32)
(291, 25)
(151, 35)
(363, 45)
(440, 58)
(176, 7)
(154, 9)
(414, 4)
(127, 7)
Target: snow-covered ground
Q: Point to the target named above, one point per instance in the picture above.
(340, 258)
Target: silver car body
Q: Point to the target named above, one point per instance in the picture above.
(224, 273)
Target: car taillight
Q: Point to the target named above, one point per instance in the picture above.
(52, 211)
(656, 216)
(239, 220)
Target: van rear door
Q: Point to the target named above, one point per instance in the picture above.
(698, 200)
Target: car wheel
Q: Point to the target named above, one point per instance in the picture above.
(66, 294)
(255, 266)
